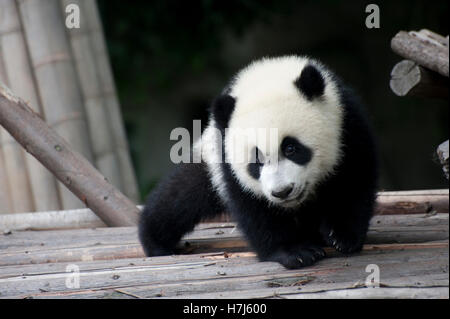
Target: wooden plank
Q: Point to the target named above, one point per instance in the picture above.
(209, 277)
(388, 203)
(413, 202)
(80, 218)
(36, 269)
(257, 287)
(344, 293)
(111, 243)
(127, 235)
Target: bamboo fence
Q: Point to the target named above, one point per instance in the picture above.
(65, 76)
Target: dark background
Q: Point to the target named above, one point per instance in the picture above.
(170, 58)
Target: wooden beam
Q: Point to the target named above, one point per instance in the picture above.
(77, 218)
(70, 167)
(388, 203)
(401, 232)
(413, 202)
(425, 48)
(409, 78)
(190, 275)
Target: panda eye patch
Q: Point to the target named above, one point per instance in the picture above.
(257, 157)
(295, 151)
(256, 163)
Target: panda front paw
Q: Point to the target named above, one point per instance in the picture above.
(299, 257)
(345, 242)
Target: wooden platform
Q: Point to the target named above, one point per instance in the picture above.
(411, 252)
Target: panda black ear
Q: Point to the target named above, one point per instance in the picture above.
(310, 82)
(222, 108)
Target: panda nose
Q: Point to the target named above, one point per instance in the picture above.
(283, 193)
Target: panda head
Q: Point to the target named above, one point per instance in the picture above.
(292, 106)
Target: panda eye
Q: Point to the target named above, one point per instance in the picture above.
(289, 150)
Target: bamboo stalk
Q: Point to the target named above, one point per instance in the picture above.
(69, 166)
(16, 171)
(59, 89)
(110, 97)
(106, 159)
(20, 76)
(5, 204)
(14, 167)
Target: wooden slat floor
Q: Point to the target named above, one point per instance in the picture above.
(411, 252)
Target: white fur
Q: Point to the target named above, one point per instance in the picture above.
(266, 98)
(209, 146)
(285, 174)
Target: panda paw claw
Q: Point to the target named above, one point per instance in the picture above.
(343, 243)
(302, 256)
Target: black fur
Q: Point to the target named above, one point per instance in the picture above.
(337, 216)
(222, 109)
(177, 204)
(256, 163)
(311, 82)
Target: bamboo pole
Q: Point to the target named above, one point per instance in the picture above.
(15, 171)
(5, 203)
(106, 159)
(20, 76)
(69, 166)
(109, 94)
(5, 206)
(56, 79)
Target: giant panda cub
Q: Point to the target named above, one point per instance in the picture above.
(314, 186)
